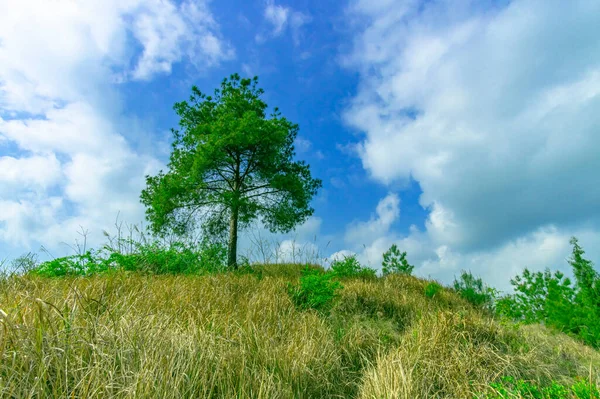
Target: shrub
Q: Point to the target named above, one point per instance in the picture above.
(75, 265)
(431, 289)
(315, 291)
(351, 267)
(473, 290)
(509, 387)
(395, 261)
(585, 390)
(176, 258)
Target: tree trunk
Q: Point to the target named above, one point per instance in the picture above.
(233, 235)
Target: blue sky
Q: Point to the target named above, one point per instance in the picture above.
(466, 132)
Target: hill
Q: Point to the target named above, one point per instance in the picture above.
(240, 335)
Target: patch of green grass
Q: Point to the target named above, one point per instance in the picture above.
(432, 289)
(509, 387)
(316, 290)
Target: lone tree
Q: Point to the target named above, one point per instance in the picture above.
(230, 165)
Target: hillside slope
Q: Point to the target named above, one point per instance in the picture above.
(127, 335)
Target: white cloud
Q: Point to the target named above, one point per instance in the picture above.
(340, 255)
(168, 32)
(544, 247)
(302, 145)
(495, 114)
(22, 220)
(292, 251)
(61, 114)
(77, 45)
(303, 244)
(387, 212)
(280, 17)
(26, 173)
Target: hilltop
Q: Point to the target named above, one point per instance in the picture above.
(240, 335)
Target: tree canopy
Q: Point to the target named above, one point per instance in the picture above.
(230, 164)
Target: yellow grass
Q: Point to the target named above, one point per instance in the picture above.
(237, 336)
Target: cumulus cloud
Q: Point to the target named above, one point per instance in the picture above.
(545, 247)
(387, 212)
(493, 114)
(493, 110)
(77, 46)
(37, 172)
(168, 33)
(68, 163)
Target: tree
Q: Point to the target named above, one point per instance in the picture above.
(540, 297)
(474, 290)
(551, 299)
(230, 165)
(587, 299)
(395, 261)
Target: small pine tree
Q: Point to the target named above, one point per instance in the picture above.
(395, 261)
(474, 290)
(587, 299)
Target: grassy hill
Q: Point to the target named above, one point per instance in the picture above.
(239, 335)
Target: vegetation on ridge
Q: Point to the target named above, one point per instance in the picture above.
(199, 329)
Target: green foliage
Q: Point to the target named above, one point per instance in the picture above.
(474, 290)
(585, 390)
(550, 299)
(586, 312)
(25, 263)
(316, 290)
(395, 261)
(230, 165)
(84, 264)
(509, 387)
(540, 297)
(350, 267)
(431, 289)
(176, 258)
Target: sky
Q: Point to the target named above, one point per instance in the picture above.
(467, 132)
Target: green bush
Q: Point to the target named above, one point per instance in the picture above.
(509, 387)
(395, 261)
(431, 289)
(315, 291)
(585, 390)
(474, 290)
(75, 265)
(176, 258)
(350, 267)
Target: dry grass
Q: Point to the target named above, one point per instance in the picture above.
(237, 336)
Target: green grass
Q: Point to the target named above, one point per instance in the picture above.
(240, 335)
